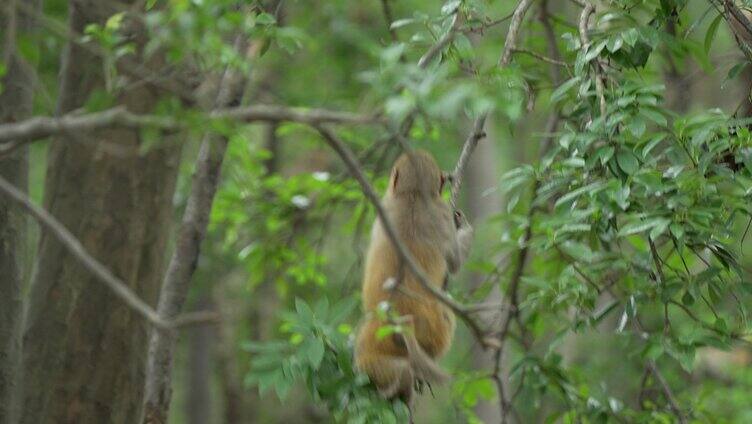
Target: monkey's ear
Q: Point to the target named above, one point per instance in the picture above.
(396, 177)
(441, 184)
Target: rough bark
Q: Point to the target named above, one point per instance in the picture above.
(85, 350)
(15, 104)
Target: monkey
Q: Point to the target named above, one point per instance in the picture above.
(439, 240)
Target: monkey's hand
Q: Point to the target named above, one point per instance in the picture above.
(463, 239)
(459, 219)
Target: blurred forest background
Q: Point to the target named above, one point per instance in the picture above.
(200, 257)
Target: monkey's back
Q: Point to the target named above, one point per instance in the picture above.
(433, 322)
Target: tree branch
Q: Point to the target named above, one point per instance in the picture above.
(118, 287)
(15, 134)
(477, 133)
(670, 398)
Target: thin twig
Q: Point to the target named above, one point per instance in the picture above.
(667, 392)
(541, 57)
(477, 133)
(467, 150)
(118, 287)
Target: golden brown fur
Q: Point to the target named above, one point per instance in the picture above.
(426, 226)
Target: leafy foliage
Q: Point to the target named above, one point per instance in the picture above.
(317, 351)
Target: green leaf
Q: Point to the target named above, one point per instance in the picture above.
(114, 21)
(266, 19)
(592, 188)
(563, 88)
(627, 161)
(313, 351)
(642, 226)
(450, 6)
(736, 70)
(385, 331)
(399, 23)
(711, 32)
(304, 311)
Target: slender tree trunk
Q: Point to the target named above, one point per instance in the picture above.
(15, 104)
(201, 341)
(234, 400)
(483, 200)
(85, 351)
(183, 262)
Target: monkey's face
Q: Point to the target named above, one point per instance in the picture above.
(417, 172)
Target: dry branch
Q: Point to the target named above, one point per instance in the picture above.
(477, 133)
(14, 134)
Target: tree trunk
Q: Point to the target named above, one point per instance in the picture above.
(230, 378)
(85, 351)
(201, 342)
(482, 200)
(15, 104)
(183, 263)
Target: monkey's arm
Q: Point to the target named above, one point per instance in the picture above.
(460, 245)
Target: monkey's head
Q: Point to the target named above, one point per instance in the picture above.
(416, 172)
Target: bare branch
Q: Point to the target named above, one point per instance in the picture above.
(477, 133)
(15, 134)
(670, 398)
(541, 57)
(467, 149)
(514, 29)
(118, 287)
